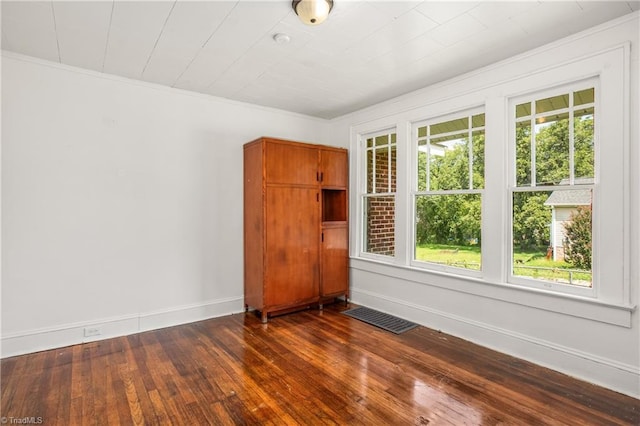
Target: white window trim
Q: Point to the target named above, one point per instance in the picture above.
(609, 70)
(612, 304)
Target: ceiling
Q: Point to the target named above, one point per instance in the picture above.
(364, 53)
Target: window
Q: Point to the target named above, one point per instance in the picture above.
(528, 176)
(449, 178)
(379, 195)
(553, 189)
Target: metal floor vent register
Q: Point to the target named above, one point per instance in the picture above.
(380, 319)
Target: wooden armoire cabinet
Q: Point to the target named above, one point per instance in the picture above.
(296, 251)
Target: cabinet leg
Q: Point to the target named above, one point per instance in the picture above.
(263, 317)
(320, 306)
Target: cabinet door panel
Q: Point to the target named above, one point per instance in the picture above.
(292, 250)
(335, 260)
(334, 168)
(290, 164)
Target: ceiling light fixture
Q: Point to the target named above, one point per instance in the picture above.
(312, 12)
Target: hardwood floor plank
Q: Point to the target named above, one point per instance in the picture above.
(92, 360)
(12, 372)
(78, 371)
(220, 414)
(38, 382)
(133, 400)
(75, 415)
(159, 410)
(61, 377)
(309, 368)
(112, 409)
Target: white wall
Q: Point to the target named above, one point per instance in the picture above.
(122, 203)
(593, 341)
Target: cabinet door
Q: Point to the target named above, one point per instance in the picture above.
(335, 261)
(288, 163)
(334, 168)
(292, 248)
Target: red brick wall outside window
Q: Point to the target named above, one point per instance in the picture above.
(380, 198)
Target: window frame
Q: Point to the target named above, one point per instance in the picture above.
(363, 193)
(512, 185)
(415, 192)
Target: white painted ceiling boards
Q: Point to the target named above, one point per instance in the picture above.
(366, 51)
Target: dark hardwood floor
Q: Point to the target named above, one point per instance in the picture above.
(312, 367)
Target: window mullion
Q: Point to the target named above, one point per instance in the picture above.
(374, 168)
(533, 145)
(571, 141)
(428, 164)
(389, 163)
(470, 154)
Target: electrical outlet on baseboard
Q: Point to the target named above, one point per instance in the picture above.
(92, 331)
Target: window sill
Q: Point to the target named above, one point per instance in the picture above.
(577, 306)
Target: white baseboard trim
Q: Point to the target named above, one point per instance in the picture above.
(71, 334)
(604, 372)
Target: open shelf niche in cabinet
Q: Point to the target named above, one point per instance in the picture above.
(334, 205)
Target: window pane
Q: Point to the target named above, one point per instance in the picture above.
(478, 159)
(523, 110)
(477, 121)
(584, 97)
(422, 165)
(552, 236)
(583, 146)
(450, 126)
(382, 140)
(552, 104)
(552, 150)
(369, 142)
(523, 153)
(422, 132)
(394, 157)
(370, 166)
(448, 230)
(449, 163)
(382, 170)
(380, 225)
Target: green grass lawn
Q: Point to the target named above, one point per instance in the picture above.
(450, 255)
(527, 264)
